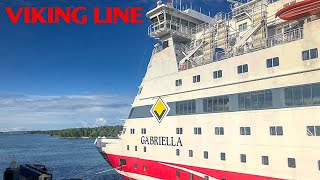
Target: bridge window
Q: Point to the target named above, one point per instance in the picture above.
(128, 147)
(272, 62)
(179, 130)
(144, 168)
(245, 131)
(144, 149)
(178, 152)
(319, 165)
(132, 131)
(313, 130)
(135, 166)
(243, 68)
(136, 148)
(265, 160)
(276, 131)
(196, 78)
(179, 82)
(206, 177)
(310, 54)
(292, 162)
(217, 74)
(197, 130)
(219, 130)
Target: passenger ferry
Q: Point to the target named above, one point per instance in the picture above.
(234, 96)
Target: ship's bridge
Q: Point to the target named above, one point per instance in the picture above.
(180, 24)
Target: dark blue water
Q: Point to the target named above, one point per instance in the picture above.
(65, 158)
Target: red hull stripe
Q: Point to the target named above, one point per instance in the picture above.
(160, 170)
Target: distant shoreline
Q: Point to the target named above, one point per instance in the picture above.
(78, 133)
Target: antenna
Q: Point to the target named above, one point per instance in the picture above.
(200, 9)
(180, 5)
(190, 5)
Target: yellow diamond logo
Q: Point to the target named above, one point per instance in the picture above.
(159, 110)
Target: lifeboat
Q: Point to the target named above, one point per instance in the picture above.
(299, 10)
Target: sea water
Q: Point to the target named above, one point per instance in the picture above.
(64, 158)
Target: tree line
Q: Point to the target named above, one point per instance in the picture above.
(107, 131)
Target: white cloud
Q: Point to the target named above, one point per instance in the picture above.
(101, 121)
(32, 112)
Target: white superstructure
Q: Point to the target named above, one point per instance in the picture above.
(234, 96)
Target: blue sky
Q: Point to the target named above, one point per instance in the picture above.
(62, 76)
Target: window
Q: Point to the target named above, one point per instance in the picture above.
(310, 54)
(179, 82)
(136, 148)
(302, 95)
(178, 152)
(243, 158)
(276, 131)
(255, 100)
(132, 131)
(242, 68)
(140, 90)
(179, 130)
(265, 160)
(245, 131)
(123, 162)
(128, 147)
(177, 173)
(206, 177)
(196, 78)
(135, 166)
(272, 62)
(217, 74)
(319, 165)
(313, 130)
(165, 44)
(144, 168)
(197, 130)
(190, 153)
(219, 131)
(242, 27)
(216, 104)
(191, 176)
(144, 149)
(292, 162)
(143, 131)
(205, 154)
(186, 107)
(223, 156)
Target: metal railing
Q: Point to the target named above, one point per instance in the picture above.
(170, 26)
(249, 47)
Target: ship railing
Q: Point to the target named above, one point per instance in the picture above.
(170, 26)
(257, 45)
(249, 47)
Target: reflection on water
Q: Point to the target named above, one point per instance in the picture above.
(65, 158)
